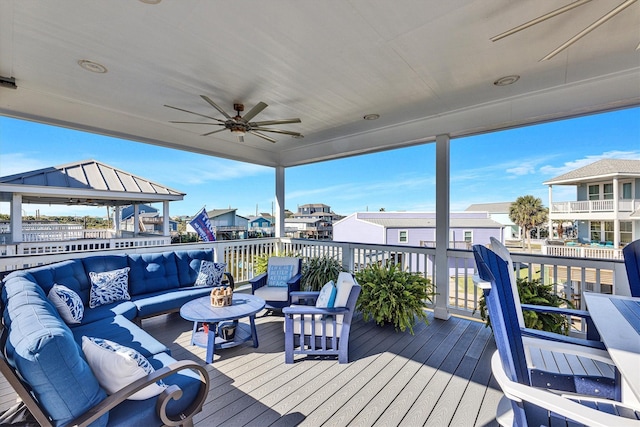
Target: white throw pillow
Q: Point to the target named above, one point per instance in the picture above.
(210, 274)
(67, 302)
(108, 287)
(116, 366)
(327, 295)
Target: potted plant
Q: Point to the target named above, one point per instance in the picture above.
(531, 291)
(392, 295)
(316, 271)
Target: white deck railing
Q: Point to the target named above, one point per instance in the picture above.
(601, 252)
(570, 276)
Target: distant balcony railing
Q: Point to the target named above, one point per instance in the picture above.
(594, 206)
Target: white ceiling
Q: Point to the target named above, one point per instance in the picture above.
(426, 66)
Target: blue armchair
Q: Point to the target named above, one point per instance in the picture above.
(275, 286)
(592, 338)
(321, 331)
(631, 254)
(539, 362)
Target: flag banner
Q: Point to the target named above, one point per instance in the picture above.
(202, 225)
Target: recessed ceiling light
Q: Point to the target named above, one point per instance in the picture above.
(371, 116)
(506, 80)
(94, 67)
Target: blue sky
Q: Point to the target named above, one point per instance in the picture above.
(495, 167)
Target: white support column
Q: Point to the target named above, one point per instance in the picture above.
(16, 218)
(116, 221)
(550, 222)
(279, 202)
(442, 226)
(616, 210)
(166, 230)
(136, 220)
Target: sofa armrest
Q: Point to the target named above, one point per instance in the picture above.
(172, 392)
(258, 281)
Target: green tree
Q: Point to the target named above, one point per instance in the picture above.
(528, 213)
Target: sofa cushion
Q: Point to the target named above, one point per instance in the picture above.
(152, 272)
(116, 366)
(108, 287)
(188, 265)
(42, 349)
(69, 273)
(143, 412)
(160, 302)
(123, 331)
(210, 274)
(124, 308)
(67, 302)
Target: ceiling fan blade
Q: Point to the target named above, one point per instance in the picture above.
(216, 106)
(263, 136)
(255, 111)
(275, 122)
(197, 123)
(539, 19)
(215, 131)
(284, 132)
(191, 112)
(590, 28)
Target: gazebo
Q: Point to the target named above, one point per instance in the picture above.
(86, 182)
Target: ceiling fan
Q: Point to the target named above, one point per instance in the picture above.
(241, 125)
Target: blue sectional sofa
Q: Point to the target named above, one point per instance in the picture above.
(44, 359)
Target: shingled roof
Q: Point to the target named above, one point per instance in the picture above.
(605, 168)
(87, 182)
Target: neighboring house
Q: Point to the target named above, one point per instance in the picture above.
(260, 226)
(311, 221)
(416, 228)
(148, 217)
(226, 223)
(607, 207)
(498, 212)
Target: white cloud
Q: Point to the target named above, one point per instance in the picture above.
(587, 160)
(14, 163)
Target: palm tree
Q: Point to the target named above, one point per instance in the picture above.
(528, 212)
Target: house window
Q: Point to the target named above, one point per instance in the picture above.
(595, 231)
(607, 191)
(608, 231)
(626, 232)
(594, 192)
(468, 236)
(403, 236)
(626, 190)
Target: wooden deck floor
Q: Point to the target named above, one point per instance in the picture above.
(440, 376)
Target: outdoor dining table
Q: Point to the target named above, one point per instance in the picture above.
(617, 319)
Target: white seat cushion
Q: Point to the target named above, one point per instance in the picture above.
(272, 293)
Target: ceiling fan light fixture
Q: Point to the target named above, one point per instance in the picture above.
(507, 80)
(371, 116)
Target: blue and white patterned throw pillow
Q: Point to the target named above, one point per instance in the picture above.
(116, 366)
(279, 275)
(67, 302)
(327, 295)
(108, 287)
(210, 274)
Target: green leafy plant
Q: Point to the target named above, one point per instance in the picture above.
(316, 271)
(392, 295)
(534, 292)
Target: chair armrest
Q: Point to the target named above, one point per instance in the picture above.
(172, 392)
(558, 404)
(309, 297)
(305, 309)
(592, 332)
(556, 310)
(258, 281)
(294, 283)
